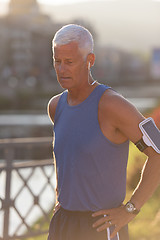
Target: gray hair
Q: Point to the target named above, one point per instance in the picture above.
(74, 33)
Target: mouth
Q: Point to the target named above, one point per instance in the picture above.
(65, 78)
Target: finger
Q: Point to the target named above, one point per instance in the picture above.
(114, 233)
(104, 227)
(101, 212)
(101, 221)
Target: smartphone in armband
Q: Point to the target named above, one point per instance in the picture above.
(151, 134)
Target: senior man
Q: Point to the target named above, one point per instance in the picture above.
(93, 125)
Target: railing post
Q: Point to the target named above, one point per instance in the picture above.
(9, 153)
(9, 148)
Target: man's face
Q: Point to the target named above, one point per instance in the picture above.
(70, 66)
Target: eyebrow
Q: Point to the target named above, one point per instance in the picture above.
(65, 58)
(69, 59)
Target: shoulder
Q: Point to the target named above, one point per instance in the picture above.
(113, 102)
(52, 105)
(121, 114)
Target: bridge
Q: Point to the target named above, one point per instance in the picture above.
(27, 187)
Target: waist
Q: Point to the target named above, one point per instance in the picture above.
(69, 212)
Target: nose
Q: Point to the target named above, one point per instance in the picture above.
(62, 68)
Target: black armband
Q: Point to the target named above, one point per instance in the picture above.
(141, 145)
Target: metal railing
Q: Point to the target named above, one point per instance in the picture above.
(25, 203)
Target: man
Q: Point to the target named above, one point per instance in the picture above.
(93, 125)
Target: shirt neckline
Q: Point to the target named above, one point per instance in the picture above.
(84, 101)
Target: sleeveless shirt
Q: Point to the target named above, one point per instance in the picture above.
(91, 170)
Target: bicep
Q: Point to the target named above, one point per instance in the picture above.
(51, 108)
(50, 112)
(127, 119)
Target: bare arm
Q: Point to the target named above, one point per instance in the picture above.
(150, 179)
(125, 117)
(51, 108)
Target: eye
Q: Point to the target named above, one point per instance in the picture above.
(57, 61)
(69, 61)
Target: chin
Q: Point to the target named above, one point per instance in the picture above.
(67, 83)
(64, 85)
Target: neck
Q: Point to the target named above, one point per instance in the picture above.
(78, 95)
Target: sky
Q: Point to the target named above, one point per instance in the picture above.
(55, 2)
(128, 24)
(3, 3)
(59, 2)
(48, 2)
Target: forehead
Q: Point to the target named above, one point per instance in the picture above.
(69, 50)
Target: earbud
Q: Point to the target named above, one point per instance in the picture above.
(89, 65)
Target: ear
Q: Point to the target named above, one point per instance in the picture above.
(90, 59)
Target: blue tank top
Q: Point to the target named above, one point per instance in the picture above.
(91, 170)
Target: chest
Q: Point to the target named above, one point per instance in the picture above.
(76, 130)
(108, 126)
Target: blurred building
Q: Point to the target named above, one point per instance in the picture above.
(25, 46)
(120, 67)
(27, 77)
(25, 41)
(155, 64)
